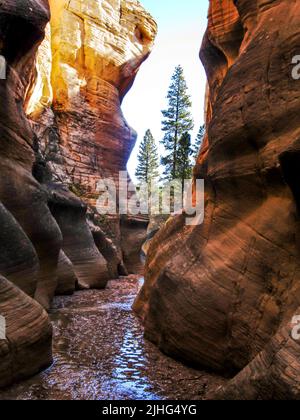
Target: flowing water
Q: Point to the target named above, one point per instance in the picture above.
(100, 354)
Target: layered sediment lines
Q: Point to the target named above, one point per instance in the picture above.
(88, 61)
(30, 237)
(94, 50)
(223, 295)
(61, 129)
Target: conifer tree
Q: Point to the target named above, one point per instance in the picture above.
(148, 162)
(177, 121)
(185, 150)
(198, 142)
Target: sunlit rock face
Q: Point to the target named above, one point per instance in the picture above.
(87, 63)
(93, 52)
(216, 295)
(29, 236)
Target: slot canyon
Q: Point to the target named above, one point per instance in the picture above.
(214, 305)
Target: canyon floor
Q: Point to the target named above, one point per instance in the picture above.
(100, 353)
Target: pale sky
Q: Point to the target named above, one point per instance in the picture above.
(181, 26)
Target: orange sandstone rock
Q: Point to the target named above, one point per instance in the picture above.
(222, 295)
(85, 66)
(71, 87)
(93, 51)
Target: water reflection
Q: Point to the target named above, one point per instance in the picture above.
(100, 354)
(129, 369)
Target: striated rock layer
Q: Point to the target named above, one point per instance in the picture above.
(78, 244)
(222, 295)
(30, 237)
(93, 51)
(70, 77)
(85, 66)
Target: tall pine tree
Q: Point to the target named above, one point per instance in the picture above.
(185, 150)
(148, 162)
(177, 121)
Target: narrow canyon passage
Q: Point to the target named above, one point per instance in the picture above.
(100, 353)
(221, 290)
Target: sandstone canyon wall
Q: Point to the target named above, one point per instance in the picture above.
(30, 247)
(72, 133)
(92, 52)
(85, 66)
(222, 295)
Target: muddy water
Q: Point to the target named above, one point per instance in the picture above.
(100, 353)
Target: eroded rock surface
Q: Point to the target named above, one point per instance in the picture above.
(78, 244)
(67, 280)
(223, 294)
(30, 237)
(28, 345)
(70, 77)
(134, 235)
(93, 51)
